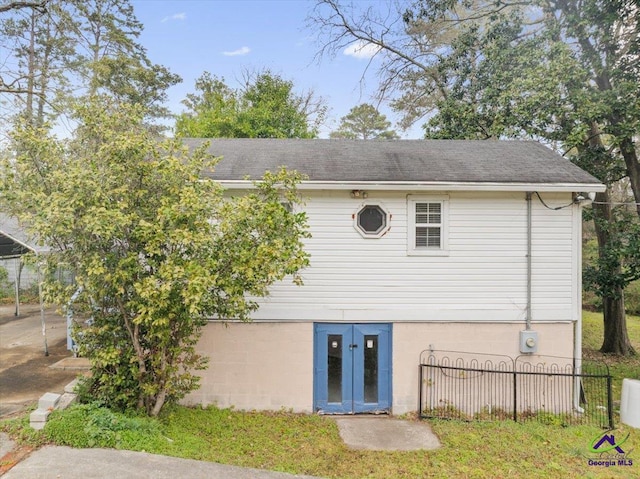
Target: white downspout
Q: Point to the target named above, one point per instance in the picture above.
(529, 261)
(577, 338)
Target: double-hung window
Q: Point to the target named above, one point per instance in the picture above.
(427, 224)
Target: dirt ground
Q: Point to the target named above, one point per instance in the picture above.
(25, 372)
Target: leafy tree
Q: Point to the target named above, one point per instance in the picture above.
(39, 51)
(561, 71)
(364, 122)
(266, 107)
(155, 248)
(69, 48)
(111, 61)
(213, 111)
(136, 82)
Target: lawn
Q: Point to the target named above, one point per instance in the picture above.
(310, 444)
(619, 368)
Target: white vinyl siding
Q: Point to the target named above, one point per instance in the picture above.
(482, 277)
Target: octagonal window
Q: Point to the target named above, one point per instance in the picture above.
(372, 221)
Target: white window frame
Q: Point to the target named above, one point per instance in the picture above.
(380, 233)
(443, 249)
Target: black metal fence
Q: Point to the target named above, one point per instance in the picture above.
(548, 389)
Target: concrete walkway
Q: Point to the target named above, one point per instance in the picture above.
(383, 433)
(67, 463)
(358, 432)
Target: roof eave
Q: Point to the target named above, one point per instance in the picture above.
(431, 186)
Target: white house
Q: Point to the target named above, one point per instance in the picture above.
(455, 245)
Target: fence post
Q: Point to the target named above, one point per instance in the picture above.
(420, 391)
(515, 394)
(609, 401)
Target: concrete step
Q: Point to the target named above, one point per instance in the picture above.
(66, 400)
(38, 418)
(48, 401)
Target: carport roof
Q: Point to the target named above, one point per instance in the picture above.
(14, 240)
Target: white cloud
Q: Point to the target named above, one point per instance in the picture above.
(175, 16)
(360, 49)
(239, 51)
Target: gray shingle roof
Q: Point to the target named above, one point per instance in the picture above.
(396, 161)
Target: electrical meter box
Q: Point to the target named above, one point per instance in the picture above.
(528, 342)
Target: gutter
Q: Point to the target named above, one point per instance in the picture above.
(426, 186)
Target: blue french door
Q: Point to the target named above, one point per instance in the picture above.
(352, 368)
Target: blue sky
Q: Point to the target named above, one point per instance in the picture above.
(227, 37)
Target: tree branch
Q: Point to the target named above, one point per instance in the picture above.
(39, 6)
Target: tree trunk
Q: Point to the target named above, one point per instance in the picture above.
(616, 339)
(31, 65)
(159, 401)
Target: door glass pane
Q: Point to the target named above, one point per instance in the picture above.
(371, 368)
(334, 343)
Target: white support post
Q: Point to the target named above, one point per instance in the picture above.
(16, 282)
(44, 326)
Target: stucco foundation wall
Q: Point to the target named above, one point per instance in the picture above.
(410, 339)
(265, 366)
(269, 365)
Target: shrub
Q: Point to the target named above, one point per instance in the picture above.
(91, 425)
(5, 287)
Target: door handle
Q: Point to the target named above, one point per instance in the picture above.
(352, 346)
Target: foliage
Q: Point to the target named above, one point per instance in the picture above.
(364, 122)
(632, 298)
(90, 425)
(213, 111)
(28, 289)
(267, 107)
(38, 53)
(5, 287)
(135, 82)
(617, 265)
(156, 250)
(77, 47)
(273, 110)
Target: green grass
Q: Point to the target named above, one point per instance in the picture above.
(306, 444)
(619, 368)
(310, 444)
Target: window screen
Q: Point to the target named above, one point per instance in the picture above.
(428, 224)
